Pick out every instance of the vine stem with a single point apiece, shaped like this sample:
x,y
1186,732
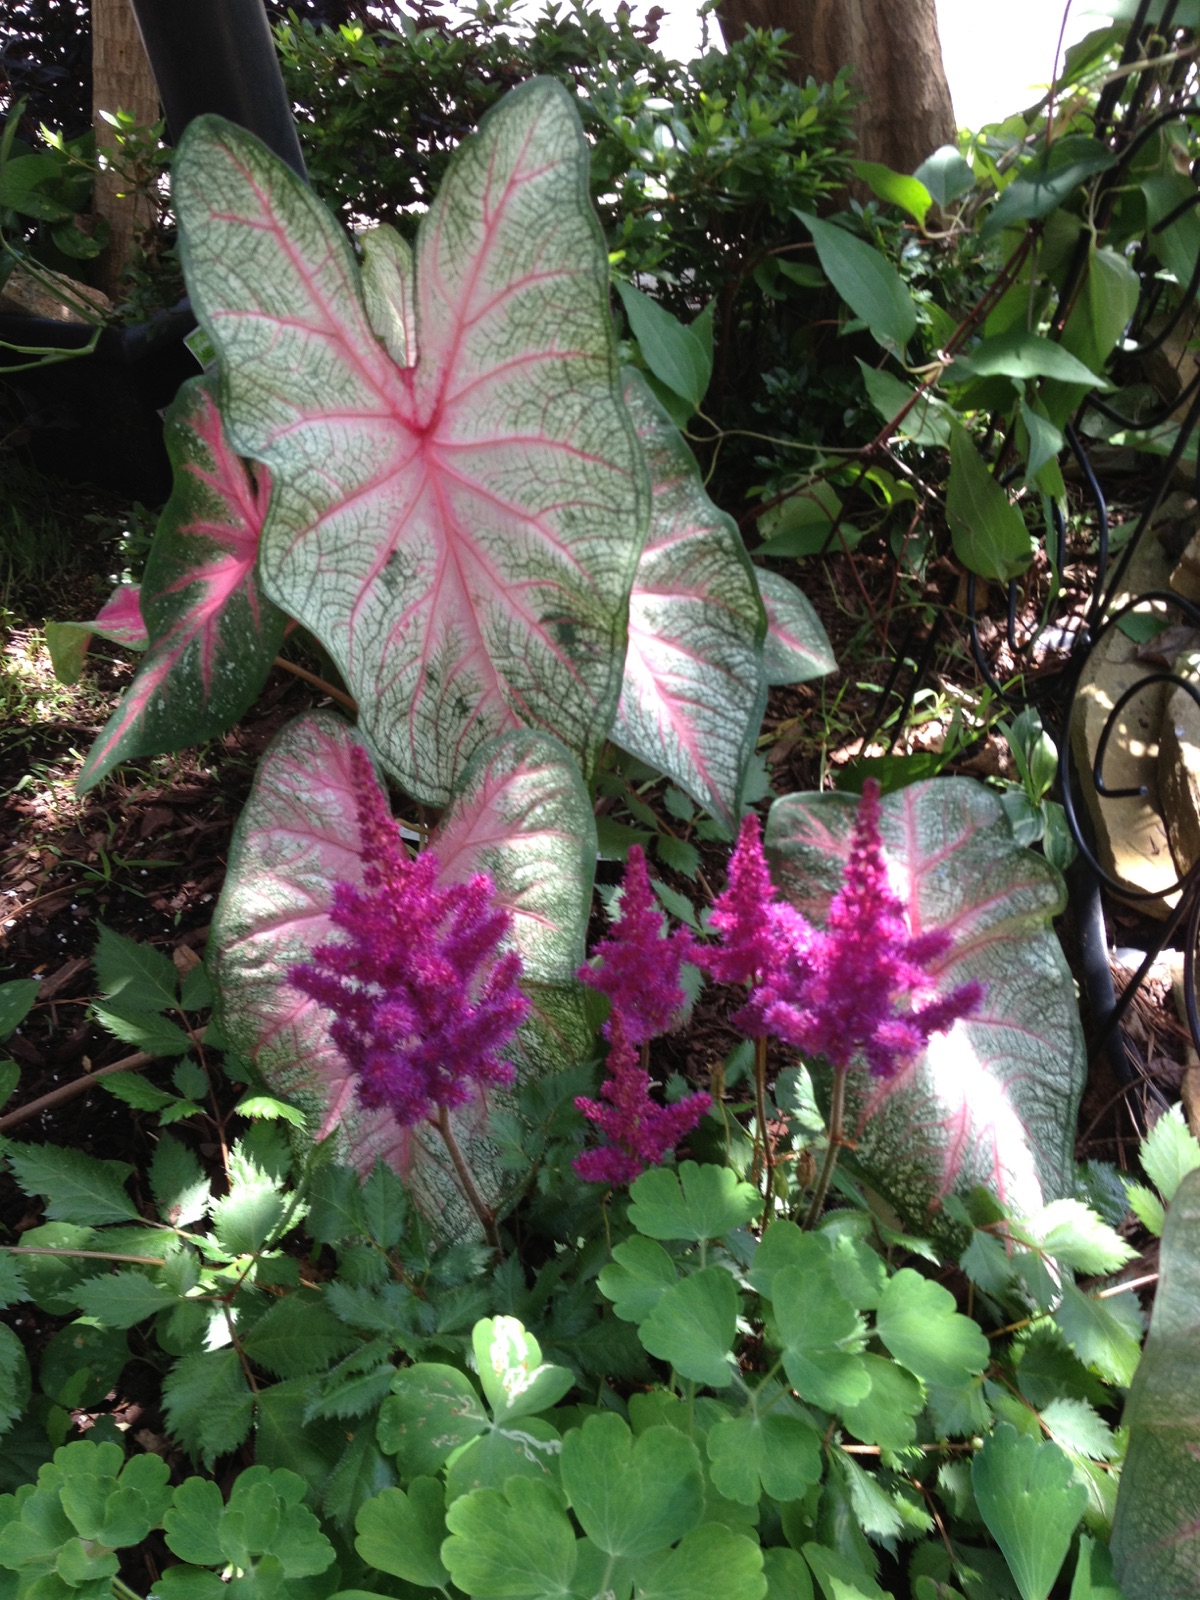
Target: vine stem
x,y
466,1179
760,1117
837,1115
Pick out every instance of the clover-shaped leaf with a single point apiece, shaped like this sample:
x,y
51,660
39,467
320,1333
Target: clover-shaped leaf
x,y
770,1450
402,1534
431,1411
692,1326
632,1496
693,1203
636,1279
515,1544
918,1322
516,1381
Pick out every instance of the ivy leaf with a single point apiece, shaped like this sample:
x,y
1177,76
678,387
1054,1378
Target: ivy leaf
x,y
517,1543
208,1403
78,1188
694,1202
632,1496
122,1299
693,1325
401,1533
432,1410
516,1381
767,1451
1028,1497
918,1322
714,1563
637,1278
1169,1152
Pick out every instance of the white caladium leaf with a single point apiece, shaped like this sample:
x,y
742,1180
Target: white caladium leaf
x,y
213,634
993,1101
523,817
462,534
796,648
694,689
388,286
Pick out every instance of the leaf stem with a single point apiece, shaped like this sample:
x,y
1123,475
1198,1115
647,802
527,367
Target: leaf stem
x,y
317,683
837,1114
466,1179
760,1119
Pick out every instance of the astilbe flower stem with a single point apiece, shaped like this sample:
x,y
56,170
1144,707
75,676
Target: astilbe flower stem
x,y
424,998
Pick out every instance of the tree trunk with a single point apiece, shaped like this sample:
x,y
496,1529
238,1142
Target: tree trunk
x,y
121,80
905,112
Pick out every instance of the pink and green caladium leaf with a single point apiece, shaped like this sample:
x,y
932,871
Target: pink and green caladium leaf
x,y
212,633
796,648
993,1101
461,534
694,688
1156,1533
298,835
118,620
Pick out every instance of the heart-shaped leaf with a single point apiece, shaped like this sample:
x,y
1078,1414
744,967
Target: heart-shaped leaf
x,y
298,836
796,647
1156,1534
993,1101
213,634
694,687
460,534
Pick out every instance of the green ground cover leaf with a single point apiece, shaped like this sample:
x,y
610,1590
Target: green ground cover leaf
x,y
693,1202
514,1545
402,1533
918,1321
178,1183
1105,1334
887,1413
432,1410
632,1496
692,1326
1030,1500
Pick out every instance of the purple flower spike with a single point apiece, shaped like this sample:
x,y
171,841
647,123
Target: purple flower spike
x,y
639,968
864,963
423,998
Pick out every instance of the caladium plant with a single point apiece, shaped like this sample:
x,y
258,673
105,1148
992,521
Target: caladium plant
x,y
993,1102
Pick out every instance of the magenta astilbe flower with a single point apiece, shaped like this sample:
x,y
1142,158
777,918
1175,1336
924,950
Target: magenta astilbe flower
x,y
424,999
639,972
861,967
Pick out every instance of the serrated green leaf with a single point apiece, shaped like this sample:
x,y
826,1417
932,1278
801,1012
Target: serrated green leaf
x,y
134,1090
78,1188
1105,1334
768,1451
208,1403
266,1108
297,1335
639,1275
692,1326
401,1533
144,1030
514,1545
1169,1152
678,854
385,1206
10,1076
874,1510
134,977
693,1202
920,1325
13,1288
1076,1426
245,1218
14,1379
1030,1500
180,1188
1146,1206
516,1381
1072,1233
713,1563
335,1205
631,1496
432,1410
16,1002
122,1299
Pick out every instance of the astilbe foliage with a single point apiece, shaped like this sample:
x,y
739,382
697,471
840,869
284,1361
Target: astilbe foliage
x,y
424,997
857,989
638,970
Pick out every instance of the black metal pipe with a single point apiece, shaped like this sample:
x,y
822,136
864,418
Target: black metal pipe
x,y
219,55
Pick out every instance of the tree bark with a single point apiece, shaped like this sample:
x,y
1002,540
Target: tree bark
x,y
121,81
905,111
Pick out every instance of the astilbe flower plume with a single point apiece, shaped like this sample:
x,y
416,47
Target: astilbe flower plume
x,y
639,972
424,998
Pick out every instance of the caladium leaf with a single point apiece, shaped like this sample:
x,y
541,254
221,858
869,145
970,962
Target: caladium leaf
x,y
388,286
461,534
994,1100
298,836
694,688
797,647
119,620
1156,1533
213,634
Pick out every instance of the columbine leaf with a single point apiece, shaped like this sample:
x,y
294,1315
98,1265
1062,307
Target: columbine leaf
x,y
694,689
78,1188
462,534
692,1326
431,1411
516,1381
714,1563
518,1543
213,634
636,1279
402,1534
918,1322
993,1101
1156,1535
774,1452
632,1496
796,648
694,1202
822,1336
1027,1495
